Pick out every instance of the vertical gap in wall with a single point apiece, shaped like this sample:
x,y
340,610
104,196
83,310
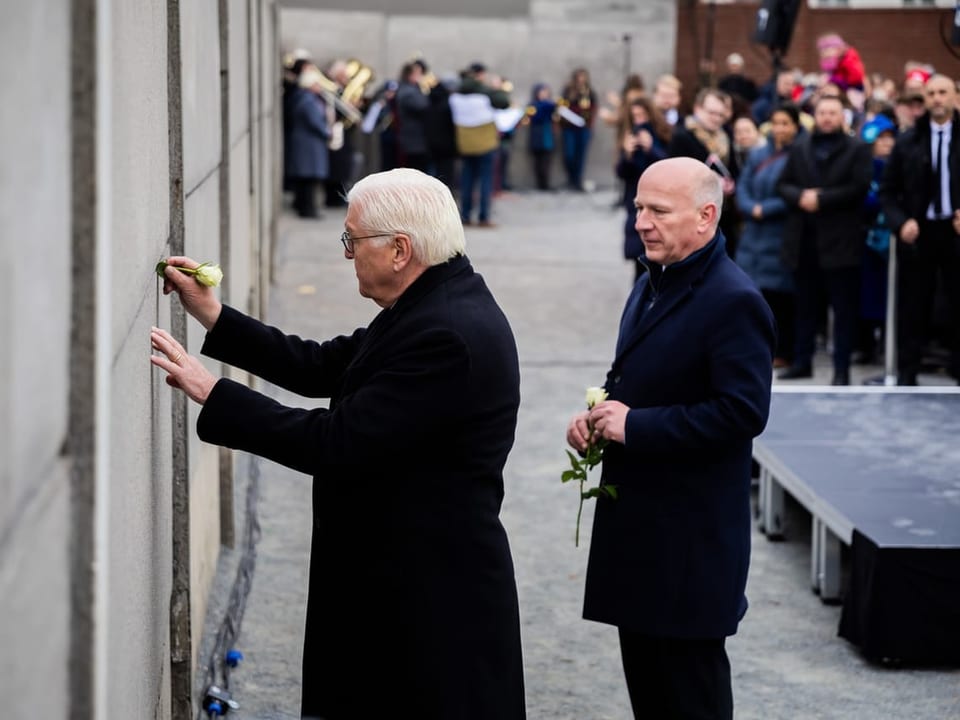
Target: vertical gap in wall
x,y
265,274
81,425
227,521
181,673
276,125
253,300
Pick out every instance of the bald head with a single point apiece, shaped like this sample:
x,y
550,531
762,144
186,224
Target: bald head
x,y
689,177
678,207
939,96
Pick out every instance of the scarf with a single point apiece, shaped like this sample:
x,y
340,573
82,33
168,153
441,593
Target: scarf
x,y
715,142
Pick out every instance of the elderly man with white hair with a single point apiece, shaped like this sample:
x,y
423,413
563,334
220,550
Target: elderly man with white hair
x,y
412,608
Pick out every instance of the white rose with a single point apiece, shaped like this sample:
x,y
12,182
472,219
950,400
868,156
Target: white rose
x,y
595,395
209,275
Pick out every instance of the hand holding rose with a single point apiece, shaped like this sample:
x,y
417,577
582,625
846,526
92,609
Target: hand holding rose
x,y
194,282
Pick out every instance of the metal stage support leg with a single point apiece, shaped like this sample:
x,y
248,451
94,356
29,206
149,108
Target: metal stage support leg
x,y
772,513
825,551
761,495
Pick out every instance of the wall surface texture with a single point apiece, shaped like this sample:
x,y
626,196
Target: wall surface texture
x,y
147,140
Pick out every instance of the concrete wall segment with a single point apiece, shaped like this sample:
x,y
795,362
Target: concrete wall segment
x,y
34,616
241,232
465,8
34,381
237,70
139,523
202,242
140,172
200,90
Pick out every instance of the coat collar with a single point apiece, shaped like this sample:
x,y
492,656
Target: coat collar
x,y
666,287
429,279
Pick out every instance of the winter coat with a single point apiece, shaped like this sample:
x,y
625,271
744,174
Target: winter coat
x,y
669,555
759,253
843,178
305,154
412,609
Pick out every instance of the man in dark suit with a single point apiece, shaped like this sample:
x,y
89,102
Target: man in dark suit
x,y
689,389
412,609
824,183
920,195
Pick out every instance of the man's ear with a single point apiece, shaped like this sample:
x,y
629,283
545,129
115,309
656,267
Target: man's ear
x,y
708,215
402,251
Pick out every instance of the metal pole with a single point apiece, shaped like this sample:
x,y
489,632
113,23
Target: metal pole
x,y
890,341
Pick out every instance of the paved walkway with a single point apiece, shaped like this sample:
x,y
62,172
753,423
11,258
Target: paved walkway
x,y
554,264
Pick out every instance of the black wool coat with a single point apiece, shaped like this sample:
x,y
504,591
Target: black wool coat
x,y
908,183
839,224
669,555
412,609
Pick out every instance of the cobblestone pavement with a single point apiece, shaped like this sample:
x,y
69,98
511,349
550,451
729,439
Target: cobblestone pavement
x,y
554,264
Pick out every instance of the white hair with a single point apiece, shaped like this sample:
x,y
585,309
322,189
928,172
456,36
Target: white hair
x,y
708,189
413,203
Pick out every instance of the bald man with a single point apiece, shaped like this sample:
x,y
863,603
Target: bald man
x,y
689,389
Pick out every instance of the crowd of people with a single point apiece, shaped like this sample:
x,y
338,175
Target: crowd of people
x,y
820,170
807,183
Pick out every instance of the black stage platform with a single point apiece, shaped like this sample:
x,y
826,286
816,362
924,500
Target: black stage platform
x,y
879,470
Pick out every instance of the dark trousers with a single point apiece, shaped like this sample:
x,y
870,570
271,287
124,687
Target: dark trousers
x,y
670,678
541,168
476,169
444,169
575,142
936,255
304,199
782,306
843,291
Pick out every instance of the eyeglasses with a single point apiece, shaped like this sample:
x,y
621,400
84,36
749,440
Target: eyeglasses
x,y
348,242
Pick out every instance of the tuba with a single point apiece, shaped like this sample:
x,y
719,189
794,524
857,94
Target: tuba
x,y
359,76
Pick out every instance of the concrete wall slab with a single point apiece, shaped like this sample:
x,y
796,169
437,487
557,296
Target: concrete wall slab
x,y
200,60
468,8
140,546
140,185
241,229
202,242
238,72
34,335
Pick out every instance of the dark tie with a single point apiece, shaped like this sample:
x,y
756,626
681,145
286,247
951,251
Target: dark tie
x,y
938,174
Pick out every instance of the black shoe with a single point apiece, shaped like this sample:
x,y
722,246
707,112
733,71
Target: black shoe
x,y
907,379
841,377
796,372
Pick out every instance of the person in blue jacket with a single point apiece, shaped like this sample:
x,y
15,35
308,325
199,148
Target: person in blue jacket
x,y
541,135
765,211
689,389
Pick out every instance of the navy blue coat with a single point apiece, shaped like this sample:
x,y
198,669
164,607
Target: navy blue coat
x,y
412,609
669,555
759,252
305,152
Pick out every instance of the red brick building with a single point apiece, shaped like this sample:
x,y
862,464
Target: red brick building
x,y
885,38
